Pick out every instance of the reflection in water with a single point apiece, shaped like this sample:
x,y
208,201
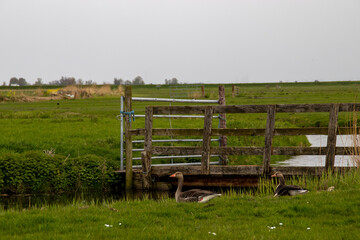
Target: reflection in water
x,y
319,160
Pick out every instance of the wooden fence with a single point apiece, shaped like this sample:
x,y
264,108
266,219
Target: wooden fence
x,y
269,132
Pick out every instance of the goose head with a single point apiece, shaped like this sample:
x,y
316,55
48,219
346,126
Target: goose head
x,y
177,175
280,177
278,174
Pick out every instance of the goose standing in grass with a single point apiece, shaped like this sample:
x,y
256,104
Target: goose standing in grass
x,y
193,195
286,190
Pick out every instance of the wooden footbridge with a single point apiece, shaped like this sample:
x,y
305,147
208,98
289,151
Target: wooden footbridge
x,y
150,177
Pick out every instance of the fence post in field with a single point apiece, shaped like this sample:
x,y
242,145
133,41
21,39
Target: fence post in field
x,y
205,159
331,141
222,124
202,91
269,133
233,90
146,154
128,140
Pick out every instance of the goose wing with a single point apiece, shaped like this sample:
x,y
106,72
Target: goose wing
x,y
284,190
196,193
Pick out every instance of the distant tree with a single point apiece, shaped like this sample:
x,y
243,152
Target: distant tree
x,y
80,82
4,83
90,82
13,81
66,81
38,82
55,83
138,81
118,81
171,81
22,82
127,82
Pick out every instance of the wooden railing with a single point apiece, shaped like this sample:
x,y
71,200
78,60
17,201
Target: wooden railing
x,y
206,150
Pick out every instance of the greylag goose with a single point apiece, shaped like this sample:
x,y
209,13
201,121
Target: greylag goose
x,y
283,190
193,195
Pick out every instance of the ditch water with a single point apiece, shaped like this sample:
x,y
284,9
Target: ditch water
x,y
26,201
319,160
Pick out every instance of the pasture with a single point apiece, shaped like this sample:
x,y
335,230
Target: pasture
x,y
77,127
87,128
83,134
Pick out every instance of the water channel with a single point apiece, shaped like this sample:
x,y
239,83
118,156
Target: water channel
x,y
319,160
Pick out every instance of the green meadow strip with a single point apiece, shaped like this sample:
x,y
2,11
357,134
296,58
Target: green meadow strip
x,y
320,214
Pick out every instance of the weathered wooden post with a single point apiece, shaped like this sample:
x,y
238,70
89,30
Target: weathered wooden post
x,y
146,154
331,141
128,138
269,133
202,91
205,160
233,90
222,124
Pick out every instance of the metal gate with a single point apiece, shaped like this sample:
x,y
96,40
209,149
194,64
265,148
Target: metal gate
x,y
121,118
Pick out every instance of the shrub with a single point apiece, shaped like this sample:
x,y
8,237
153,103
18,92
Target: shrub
x,y
34,172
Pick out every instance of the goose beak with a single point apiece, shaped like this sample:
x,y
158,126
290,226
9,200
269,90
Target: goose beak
x,y
173,175
274,175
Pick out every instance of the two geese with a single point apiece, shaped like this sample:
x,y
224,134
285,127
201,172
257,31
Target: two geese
x,y
202,196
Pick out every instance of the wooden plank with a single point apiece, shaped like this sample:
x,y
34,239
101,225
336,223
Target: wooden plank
x,y
269,133
242,132
160,150
160,171
205,159
128,139
146,154
241,170
294,151
331,141
222,124
290,151
148,129
146,170
280,108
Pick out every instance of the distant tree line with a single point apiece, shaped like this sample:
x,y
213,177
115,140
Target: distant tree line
x,y
136,81
66,81
17,81
171,81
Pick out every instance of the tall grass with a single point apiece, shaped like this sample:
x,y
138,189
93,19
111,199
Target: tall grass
x,y
323,182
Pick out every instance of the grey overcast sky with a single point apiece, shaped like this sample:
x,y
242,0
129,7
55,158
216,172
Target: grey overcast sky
x,y
208,41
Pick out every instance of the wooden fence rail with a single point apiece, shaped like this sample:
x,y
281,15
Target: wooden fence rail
x,y
269,132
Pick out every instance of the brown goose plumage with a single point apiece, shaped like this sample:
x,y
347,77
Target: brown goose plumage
x,y
284,190
193,195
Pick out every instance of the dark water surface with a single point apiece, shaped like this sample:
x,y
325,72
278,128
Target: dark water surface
x,y
26,201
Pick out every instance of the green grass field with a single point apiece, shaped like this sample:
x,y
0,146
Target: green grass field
x,y
235,215
85,133
88,126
